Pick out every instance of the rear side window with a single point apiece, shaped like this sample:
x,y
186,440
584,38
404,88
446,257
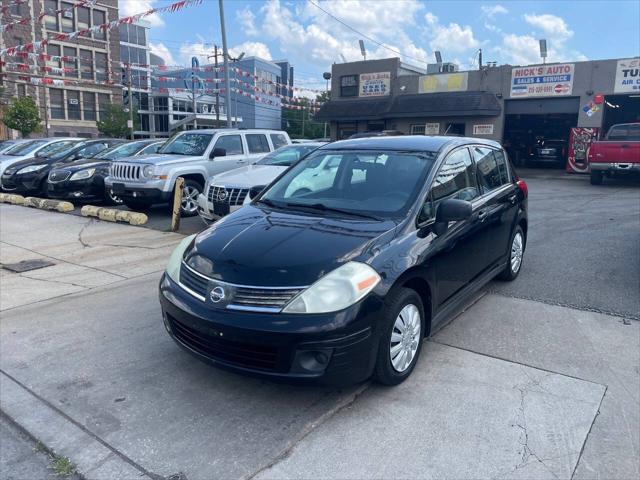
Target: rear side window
x,y
278,140
231,143
492,168
257,143
618,133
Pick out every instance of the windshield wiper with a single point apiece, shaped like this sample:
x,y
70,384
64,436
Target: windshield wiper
x,y
323,207
268,202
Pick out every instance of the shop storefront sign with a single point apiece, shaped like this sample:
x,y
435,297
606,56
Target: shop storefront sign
x,y
542,81
431,128
486,129
628,76
375,84
443,82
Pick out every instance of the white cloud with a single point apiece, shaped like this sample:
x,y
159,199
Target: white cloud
x,y
163,52
492,28
453,38
552,26
430,18
247,20
304,33
132,7
250,49
198,49
524,50
493,10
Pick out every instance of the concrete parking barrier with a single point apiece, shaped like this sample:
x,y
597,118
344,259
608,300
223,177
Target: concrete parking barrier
x,y
46,204
113,215
11,198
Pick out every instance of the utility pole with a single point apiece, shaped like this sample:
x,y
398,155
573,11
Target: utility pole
x,y
303,112
45,109
130,100
193,99
225,52
217,85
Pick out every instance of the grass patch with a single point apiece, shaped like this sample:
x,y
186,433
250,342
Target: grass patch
x,y
62,466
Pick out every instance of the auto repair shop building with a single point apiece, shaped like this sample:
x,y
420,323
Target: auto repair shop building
x,y
513,104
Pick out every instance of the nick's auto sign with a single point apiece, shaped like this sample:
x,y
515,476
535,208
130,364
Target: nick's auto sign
x,y
542,81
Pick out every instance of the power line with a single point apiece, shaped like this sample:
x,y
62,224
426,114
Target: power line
x,y
365,36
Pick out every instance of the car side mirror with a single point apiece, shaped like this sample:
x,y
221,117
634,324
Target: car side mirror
x,y
451,210
217,152
255,191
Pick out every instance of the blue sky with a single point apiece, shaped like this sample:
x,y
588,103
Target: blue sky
x,y
507,32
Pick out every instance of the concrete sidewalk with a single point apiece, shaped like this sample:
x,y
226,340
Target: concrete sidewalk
x,y
97,378
87,253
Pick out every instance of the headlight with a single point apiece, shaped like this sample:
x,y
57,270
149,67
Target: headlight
x,y
339,289
173,267
83,174
148,171
32,168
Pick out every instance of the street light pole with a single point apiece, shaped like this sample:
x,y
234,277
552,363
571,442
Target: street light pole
x,y
225,53
217,84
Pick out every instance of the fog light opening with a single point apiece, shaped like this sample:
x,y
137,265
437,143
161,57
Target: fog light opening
x,y
312,361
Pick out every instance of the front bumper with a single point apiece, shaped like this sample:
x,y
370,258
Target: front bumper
x,y
89,189
615,167
28,183
142,193
337,348
211,212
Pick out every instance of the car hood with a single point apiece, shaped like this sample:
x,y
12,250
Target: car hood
x,y
248,176
159,159
265,247
83,164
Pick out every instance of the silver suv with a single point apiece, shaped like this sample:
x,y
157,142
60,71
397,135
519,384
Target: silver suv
x,y
194,155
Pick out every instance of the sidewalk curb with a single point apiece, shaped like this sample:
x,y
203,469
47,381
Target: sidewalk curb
x,y
93,458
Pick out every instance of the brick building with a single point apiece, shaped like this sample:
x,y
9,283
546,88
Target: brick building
x,y
90,62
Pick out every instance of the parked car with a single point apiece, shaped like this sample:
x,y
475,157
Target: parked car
x,y
552,152
228,191
34,148
30,176
84,179
617,155
194,156
9,144
344,282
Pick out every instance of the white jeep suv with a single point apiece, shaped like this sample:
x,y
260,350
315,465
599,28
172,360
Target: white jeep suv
x,y
194,155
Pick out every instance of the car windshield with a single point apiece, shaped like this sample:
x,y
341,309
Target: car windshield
x,y
287,156
121,151
60,154
54,147
26,148
187,144
377,183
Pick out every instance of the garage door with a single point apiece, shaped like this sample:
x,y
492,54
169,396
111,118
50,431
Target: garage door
x,y
542,105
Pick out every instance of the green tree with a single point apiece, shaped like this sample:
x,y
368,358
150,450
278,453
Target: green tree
x,y
113,121
301,123
23,115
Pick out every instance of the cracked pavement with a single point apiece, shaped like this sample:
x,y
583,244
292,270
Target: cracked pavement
x,y
510,388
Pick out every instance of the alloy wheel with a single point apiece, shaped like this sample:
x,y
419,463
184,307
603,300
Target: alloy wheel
x,y
405,338
189,199
517,249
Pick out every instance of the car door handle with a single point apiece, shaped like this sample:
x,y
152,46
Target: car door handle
x,y
512,199
482,215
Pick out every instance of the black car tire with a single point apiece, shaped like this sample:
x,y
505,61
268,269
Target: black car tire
x,y
508,274
596,178
137,205
395,302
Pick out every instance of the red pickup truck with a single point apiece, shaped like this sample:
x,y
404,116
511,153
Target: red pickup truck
x,y
617,154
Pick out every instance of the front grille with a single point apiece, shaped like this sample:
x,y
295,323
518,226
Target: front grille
x,y
193,282
126,171
59,176
239,297
253,297
230,195
247,355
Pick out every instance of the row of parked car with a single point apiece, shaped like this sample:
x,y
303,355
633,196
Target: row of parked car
x,y
137,173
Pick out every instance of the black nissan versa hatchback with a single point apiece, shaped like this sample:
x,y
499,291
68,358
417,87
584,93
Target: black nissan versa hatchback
x,y
339,276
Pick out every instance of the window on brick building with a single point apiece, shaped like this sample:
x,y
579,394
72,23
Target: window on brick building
x,y
56,101
99,17
50,15
86,64
68,17
89,105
